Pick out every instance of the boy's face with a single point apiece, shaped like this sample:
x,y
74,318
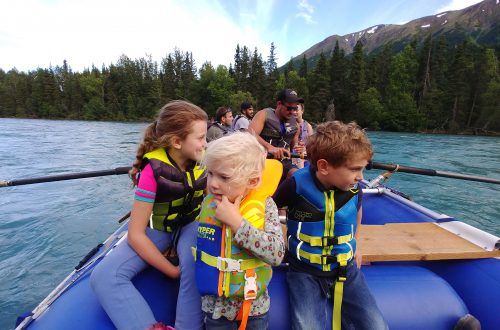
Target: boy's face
x,y
343,177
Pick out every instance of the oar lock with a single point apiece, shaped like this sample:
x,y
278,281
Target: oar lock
x,y
381,178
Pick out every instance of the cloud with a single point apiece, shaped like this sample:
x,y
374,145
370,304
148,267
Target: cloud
x,y
39,33
306,11
457,5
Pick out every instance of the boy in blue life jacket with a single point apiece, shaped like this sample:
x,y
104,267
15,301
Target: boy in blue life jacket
x,y
324,210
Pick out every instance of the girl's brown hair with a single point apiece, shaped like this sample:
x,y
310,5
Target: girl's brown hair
x,y
337,142
174,119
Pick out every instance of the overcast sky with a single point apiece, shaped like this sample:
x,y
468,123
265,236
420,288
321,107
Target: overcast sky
x,y
40,33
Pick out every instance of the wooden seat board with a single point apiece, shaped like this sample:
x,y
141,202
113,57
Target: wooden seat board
x,y
415,241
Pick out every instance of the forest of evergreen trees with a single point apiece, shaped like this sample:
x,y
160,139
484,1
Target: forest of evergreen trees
x,y
429,86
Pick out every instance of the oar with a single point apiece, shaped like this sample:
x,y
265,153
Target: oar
x,y
70,176
417,170
430,172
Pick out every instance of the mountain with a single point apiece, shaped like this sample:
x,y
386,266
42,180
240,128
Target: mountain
x,y
480,22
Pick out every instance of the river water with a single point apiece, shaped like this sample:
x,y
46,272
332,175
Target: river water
x,y
45,229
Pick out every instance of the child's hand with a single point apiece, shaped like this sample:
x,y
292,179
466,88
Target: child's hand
x,y
229,213
359,258
174,272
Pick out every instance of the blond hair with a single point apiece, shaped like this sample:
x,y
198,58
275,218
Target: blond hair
x,y
175,118
337,142
240,154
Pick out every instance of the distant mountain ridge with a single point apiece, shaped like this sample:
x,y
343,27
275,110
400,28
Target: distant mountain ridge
x,y
481,22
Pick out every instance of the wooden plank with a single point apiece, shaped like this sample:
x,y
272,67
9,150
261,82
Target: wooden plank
x,y
415,241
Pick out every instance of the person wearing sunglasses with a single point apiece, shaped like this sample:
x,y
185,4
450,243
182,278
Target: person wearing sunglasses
x,y
276,129
222,124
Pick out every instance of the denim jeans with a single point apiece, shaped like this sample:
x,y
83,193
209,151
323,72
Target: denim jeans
x,y
309,295
124,304
260,322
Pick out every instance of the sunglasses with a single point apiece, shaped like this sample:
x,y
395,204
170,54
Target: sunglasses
x,y
290,108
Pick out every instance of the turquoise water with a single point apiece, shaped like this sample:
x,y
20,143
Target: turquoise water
x,y
45,229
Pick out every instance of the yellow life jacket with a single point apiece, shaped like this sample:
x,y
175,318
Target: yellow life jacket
x,y
222,267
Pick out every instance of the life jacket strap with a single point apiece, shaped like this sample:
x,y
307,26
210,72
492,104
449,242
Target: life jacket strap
x,y
227,264
324,241
250,294
338,292
323,259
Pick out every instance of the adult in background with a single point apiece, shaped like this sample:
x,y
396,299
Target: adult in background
x,y
305,130
222,125
276,129
242,121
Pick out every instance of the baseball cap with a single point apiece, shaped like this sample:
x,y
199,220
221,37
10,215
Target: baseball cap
x,y
290,96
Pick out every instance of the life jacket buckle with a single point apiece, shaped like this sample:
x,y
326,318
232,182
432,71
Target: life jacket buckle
x,y
327,259
330,240
250,289
228,264
342,274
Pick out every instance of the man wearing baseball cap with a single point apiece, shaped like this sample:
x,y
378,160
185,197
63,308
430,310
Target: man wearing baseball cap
x,y
276,129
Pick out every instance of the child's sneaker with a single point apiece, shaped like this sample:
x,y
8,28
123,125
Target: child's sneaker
x,y
159,326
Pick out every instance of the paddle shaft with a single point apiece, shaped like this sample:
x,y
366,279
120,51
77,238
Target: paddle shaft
x,y
371,165
429,172
70,176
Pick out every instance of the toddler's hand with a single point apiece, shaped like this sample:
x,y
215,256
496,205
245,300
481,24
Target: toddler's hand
x,y
229,213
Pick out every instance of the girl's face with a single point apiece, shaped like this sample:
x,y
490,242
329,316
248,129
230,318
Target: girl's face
x,y
193,146
219,183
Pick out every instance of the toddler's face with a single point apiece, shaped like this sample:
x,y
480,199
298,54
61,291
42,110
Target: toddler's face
x,y
219,183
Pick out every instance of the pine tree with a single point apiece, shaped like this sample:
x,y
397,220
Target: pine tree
x,y
303,70
356,81
489,99
257,80
458,87
319,90
338,78
401,107
272,76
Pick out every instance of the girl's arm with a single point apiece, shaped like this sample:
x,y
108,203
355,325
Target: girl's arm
x,y
268,244
141,243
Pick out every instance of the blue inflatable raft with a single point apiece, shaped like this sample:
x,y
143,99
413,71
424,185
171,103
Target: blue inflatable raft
x,y
436,270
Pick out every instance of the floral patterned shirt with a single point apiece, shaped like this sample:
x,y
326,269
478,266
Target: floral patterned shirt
x,y
267,245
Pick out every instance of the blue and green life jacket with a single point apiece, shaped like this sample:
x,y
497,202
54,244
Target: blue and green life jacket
x,y
222,267
317,234
179,194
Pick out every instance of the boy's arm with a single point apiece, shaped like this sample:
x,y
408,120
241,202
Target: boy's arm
x,y
358,256
268,244
285,194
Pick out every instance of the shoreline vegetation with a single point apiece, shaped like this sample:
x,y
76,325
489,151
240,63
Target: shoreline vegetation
x,y
428,87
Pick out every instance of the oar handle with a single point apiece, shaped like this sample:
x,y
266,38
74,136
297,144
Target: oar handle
x,y
70,176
